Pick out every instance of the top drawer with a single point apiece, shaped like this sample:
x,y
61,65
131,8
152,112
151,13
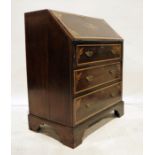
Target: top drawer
x,y
93,53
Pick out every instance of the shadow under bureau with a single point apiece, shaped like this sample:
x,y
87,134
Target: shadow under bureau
x,y
74,72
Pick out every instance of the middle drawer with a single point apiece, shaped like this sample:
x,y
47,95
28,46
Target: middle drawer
x,y
88,78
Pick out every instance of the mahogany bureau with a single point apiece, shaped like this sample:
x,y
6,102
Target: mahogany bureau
x,y
74,72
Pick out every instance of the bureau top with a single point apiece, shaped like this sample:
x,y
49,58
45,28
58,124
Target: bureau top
x,y
85,28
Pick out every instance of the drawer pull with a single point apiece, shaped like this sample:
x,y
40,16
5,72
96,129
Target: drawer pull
x,y
112,72
89,53
113,94
87,105
90,78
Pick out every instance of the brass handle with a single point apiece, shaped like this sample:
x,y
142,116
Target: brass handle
x,y
90,78
113,51
89,53
87,105
112,71
112,94
116,49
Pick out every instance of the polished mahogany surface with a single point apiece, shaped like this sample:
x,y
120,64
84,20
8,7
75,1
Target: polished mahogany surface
x,y
88,105
97,53
74,72
83,27
87,78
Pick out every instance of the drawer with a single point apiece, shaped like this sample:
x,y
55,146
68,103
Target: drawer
x,y
92,53
87,78
94,102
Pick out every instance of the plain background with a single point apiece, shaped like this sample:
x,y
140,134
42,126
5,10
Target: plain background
x,y
125,16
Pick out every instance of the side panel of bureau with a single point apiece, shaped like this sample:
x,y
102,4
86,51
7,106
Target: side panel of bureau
x,y
48,68
37,63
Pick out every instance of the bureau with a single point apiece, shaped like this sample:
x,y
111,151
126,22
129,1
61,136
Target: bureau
x,y
74,72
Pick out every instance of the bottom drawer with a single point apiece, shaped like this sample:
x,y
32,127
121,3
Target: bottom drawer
x,y
90,104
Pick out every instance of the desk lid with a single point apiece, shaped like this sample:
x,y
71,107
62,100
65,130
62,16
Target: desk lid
x,y
85,28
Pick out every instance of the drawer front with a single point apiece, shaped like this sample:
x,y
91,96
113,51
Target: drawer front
x,y
94,102
86,54
85,79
